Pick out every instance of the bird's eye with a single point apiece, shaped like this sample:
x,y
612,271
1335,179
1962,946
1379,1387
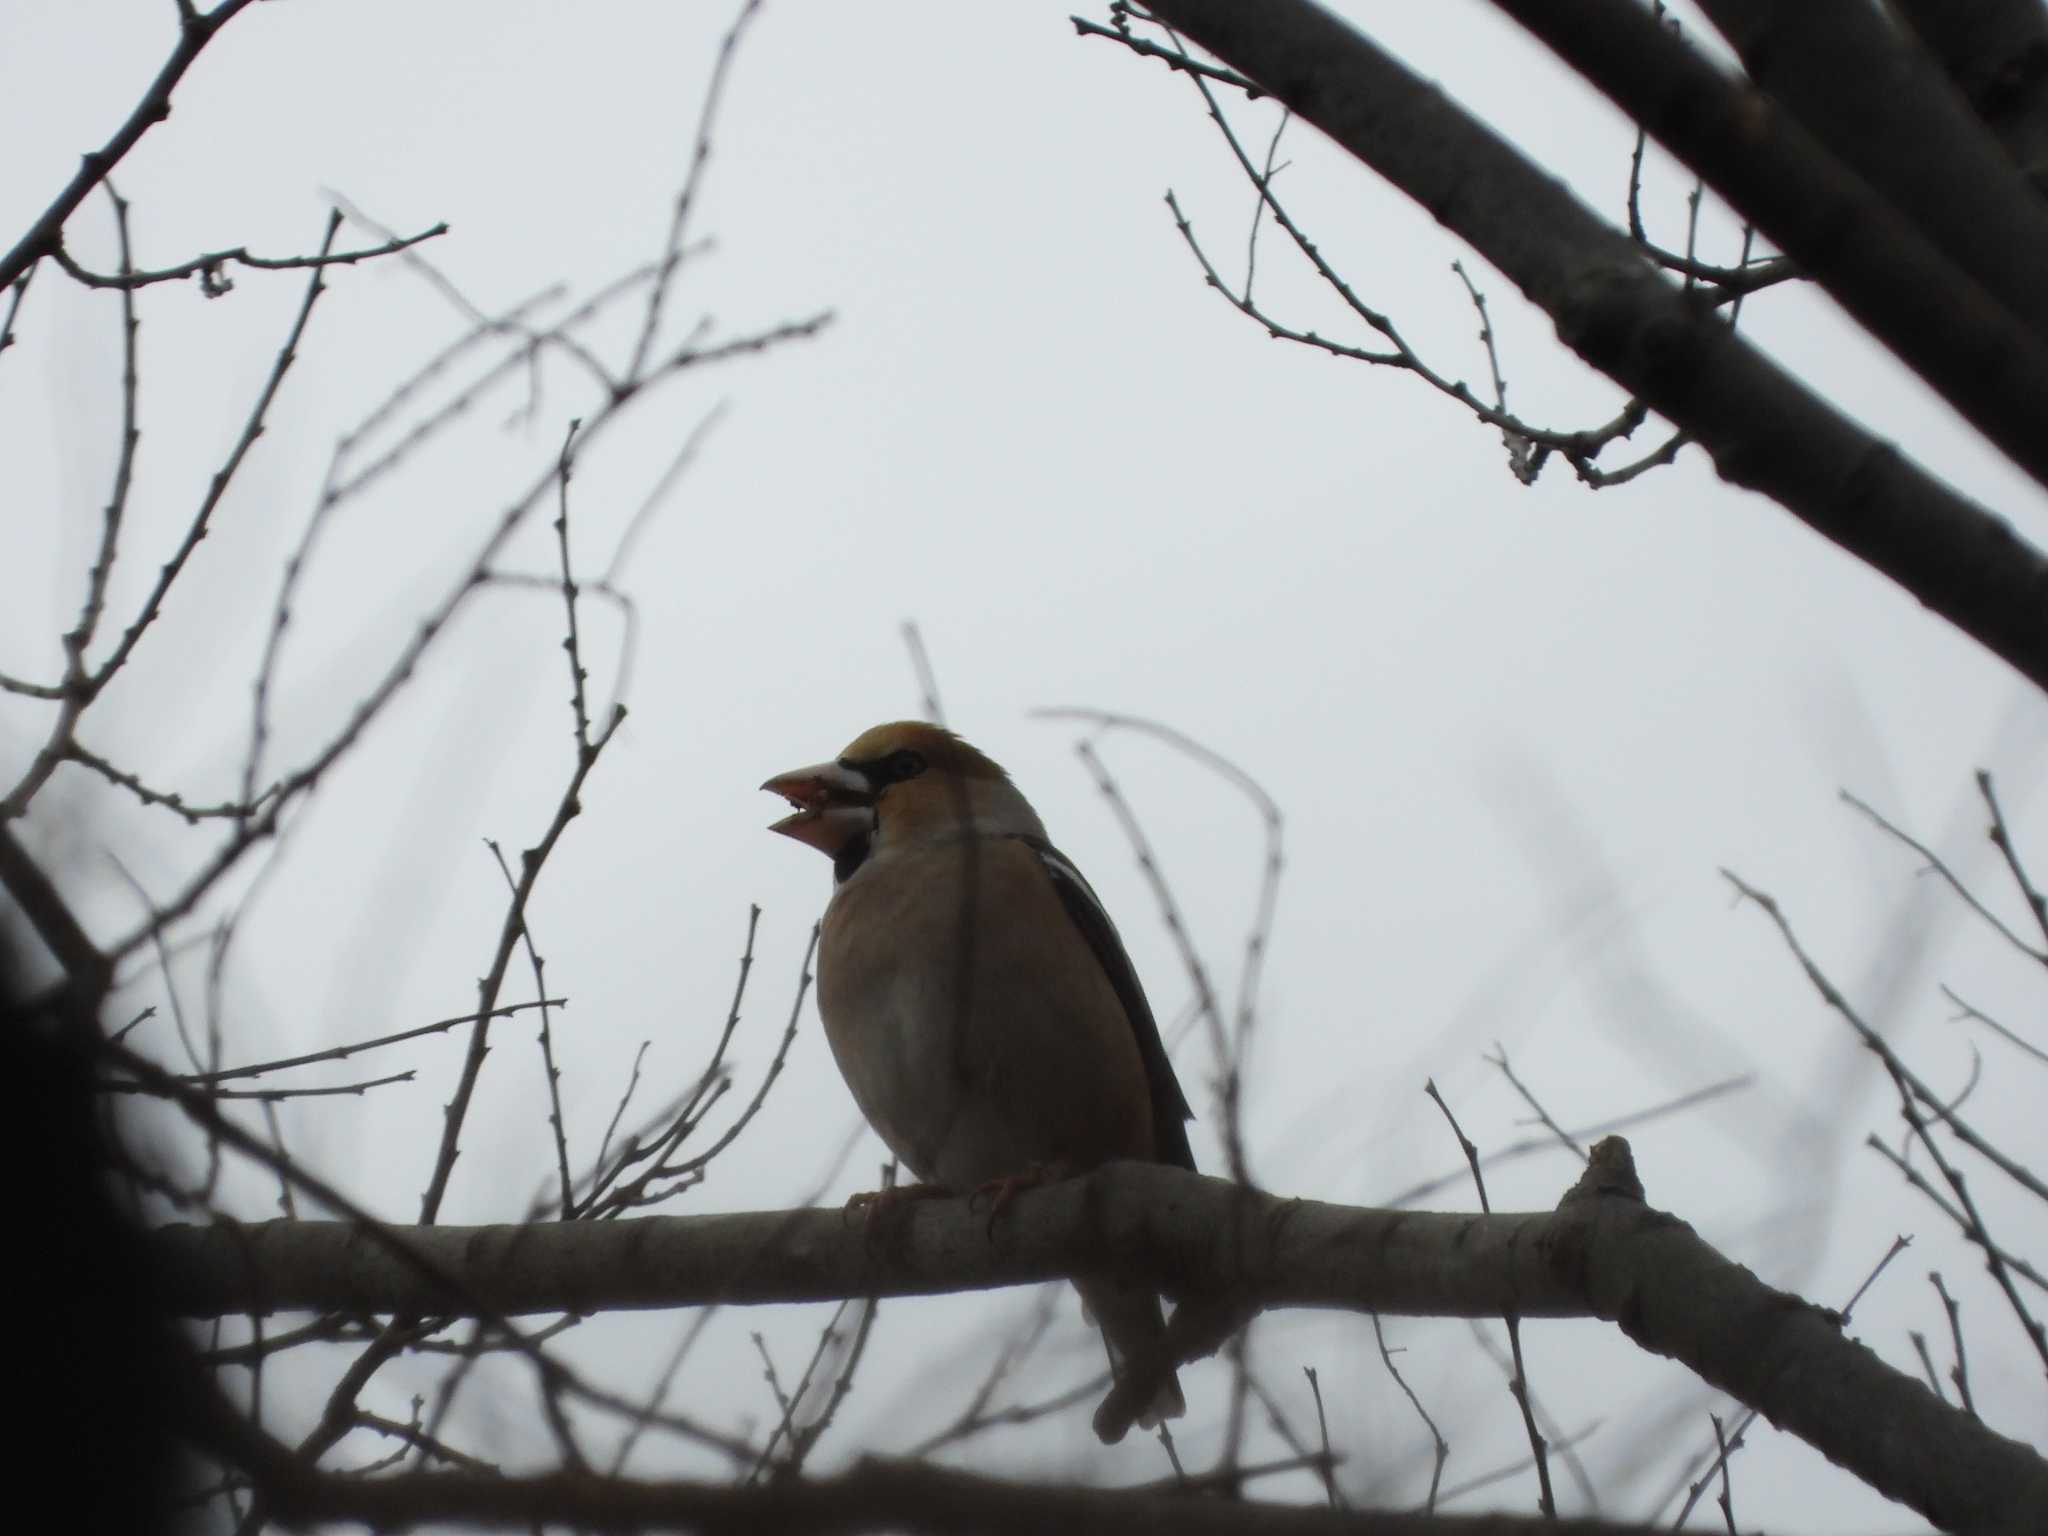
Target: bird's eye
x,y
905,765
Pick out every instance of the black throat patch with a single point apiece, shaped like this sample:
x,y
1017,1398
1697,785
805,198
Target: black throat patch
x,y
851,857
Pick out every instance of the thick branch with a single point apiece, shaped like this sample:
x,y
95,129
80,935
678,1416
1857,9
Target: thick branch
x,y
1868,92
30,887
1602,1254
873,1496
1765,430
1996,52
1944,302
1183,1233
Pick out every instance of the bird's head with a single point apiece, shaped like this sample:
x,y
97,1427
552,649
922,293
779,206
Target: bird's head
x,y
896,782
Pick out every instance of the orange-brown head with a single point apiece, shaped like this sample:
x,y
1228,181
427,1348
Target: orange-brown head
x,y
896,782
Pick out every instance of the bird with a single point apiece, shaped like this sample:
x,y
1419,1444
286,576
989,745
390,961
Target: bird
x,y
975,994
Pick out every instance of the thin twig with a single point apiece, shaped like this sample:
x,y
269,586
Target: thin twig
x,y
1899,1245
664,1382
1524,459
287,1202
269,1095
175,803
197,29
80,639
1499,1058
1280,1423
1914,1177
665,482
2001,839
1927,1364
1518,1384
975,1416
1936,865
679,219
16,292
196,529
785,1404
1443,1446
1579,448
1177,60
554,339
413,1437
806,1437
713,1070
571,642
429,628
197,1107
1589,1133
343,1052
522,359
330,1329
1960,1375
604,1201
1267,172
1232,1050
1727,1447
625,1098
1969,1011
214,282
921,668
1514,1468
531,863
1912,1094
546,1036
1328,1463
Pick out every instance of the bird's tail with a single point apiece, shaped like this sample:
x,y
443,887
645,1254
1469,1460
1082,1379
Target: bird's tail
x,y
1133,1328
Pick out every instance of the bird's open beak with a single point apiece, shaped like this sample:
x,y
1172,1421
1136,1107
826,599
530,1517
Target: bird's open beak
x,y
833,805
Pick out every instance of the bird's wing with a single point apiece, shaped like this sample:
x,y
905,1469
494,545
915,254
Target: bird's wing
x,y
1170,1110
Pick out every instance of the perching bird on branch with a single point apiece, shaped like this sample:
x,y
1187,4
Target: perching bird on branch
x,y
976,995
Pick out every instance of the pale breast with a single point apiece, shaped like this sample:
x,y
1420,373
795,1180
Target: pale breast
x,y
977,1032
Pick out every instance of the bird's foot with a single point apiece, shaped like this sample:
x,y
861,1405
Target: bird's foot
x,y
1000,1192
872,1204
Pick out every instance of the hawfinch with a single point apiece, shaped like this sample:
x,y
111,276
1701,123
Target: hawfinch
x,y
976,995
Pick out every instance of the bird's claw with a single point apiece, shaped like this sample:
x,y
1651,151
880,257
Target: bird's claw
x,y
872,1204
1000,1192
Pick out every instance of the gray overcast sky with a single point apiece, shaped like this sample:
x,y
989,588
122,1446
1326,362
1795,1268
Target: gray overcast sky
x,y
1514,731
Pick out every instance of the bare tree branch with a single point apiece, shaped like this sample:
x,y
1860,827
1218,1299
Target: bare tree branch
x,y
1602,1253
1996,53
1881,106
196,29
874,1495
1765,430
215,282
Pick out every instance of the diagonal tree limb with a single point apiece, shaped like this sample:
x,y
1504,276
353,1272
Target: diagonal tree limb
x,y
1973,324
1765,430
88,972
1883,108
1996,52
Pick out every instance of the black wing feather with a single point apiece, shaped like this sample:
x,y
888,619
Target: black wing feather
x,y
1170,1110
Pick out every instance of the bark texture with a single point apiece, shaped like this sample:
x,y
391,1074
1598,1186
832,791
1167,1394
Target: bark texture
x,y
1764,429
1215,1247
